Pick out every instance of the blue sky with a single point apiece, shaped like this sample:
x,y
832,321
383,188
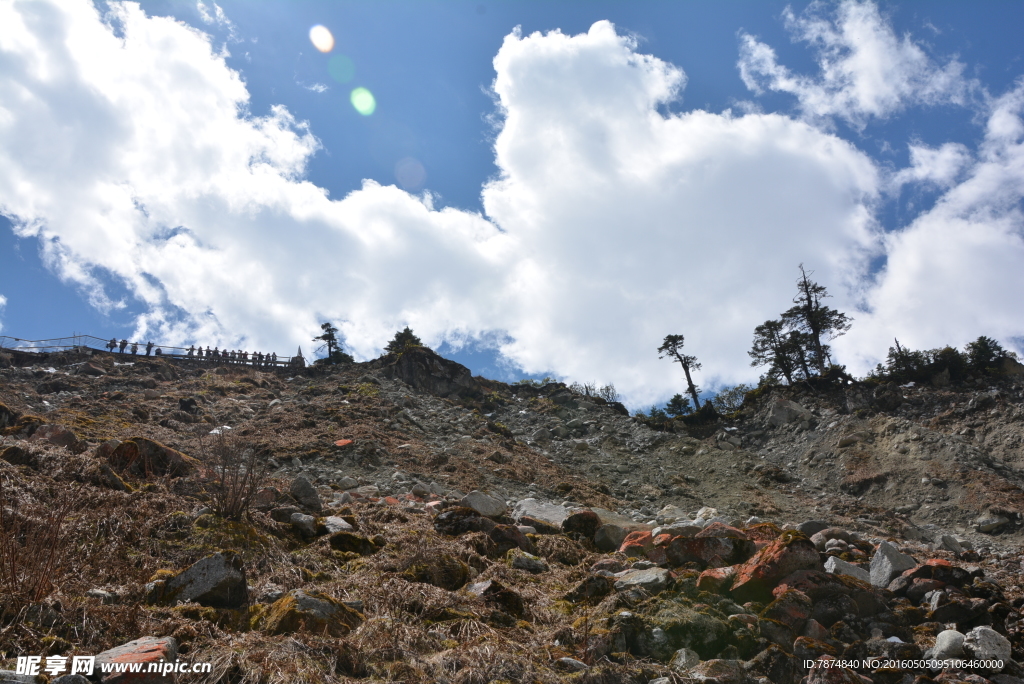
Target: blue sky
x,y
541,187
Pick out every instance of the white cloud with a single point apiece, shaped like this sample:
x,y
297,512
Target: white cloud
x,y
866,70
608,227
934,166
632,226
316,87
3,303
957,271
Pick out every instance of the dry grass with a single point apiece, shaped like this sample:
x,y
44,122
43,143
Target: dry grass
x,y
237,468
32,545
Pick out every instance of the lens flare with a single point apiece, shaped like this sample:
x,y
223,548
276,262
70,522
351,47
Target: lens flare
x,y
363,100
410,174
321,38
341,68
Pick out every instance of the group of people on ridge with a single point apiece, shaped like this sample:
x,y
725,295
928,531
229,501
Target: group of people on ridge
x,y
114,344
258,359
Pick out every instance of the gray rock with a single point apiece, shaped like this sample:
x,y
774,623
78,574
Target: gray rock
x,y
305,524
684,660
11,677
948,644
811,527
609,537
887,563
990,523
335,524
536,511
570,665
653,580
348,483
68,679
950,543
530,563
838,566
541,435
217,581
985,643
848,440
783,411
419,489
303,491
484,504
106,597
660,680
283,514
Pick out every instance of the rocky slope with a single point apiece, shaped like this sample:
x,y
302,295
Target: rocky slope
x,y
419,524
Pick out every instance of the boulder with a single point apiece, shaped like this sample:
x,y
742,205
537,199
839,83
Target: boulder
x,y
217,581
716,580
508,537
783,411
146,650
636,543
592,587
949,644
840,567
985,643
459,520
887,563
653,580
484,504
15,455
546,517
684,660
303,491
348,542
426,370
688,627
719,671
441,570
528,562
584,523
989,524
496,594
609,537
333,523
143,457
756,578
313,612
58,435
304,524
90,368
792,608
714,551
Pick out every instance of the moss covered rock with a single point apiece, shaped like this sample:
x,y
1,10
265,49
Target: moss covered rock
x,y
313,612
143,457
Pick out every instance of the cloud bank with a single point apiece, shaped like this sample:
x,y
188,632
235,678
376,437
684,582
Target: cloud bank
x,y
128,149
866,70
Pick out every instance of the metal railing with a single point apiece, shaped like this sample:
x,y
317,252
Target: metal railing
x,y
98,344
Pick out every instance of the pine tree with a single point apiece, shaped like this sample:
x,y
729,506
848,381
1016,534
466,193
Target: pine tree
x,y
402,340
678,406
672,346
815,321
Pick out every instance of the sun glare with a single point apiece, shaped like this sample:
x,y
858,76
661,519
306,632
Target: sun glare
x,y
363,100
321,38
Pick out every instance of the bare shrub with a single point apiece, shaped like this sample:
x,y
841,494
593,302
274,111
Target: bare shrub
x,y
32,545
237,468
